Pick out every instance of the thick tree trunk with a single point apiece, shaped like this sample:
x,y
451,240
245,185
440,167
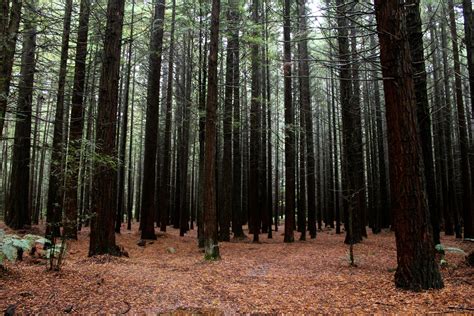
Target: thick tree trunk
x,y
417,268
415,39
7,52
18,211
102,238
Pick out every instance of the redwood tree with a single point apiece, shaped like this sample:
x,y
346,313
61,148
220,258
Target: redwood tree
x,y
102,238
211,247
289,128
147,222
417,268
18,210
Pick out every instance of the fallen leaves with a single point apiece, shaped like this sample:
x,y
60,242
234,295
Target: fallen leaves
x,y
270,277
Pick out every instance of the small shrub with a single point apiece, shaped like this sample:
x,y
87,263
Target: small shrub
x,y
12,246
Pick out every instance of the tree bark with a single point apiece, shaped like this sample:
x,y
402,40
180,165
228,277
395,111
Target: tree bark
x,y
415,39
254,187
75,127
417,268
165,189
151,129
18,211
7,52
102,238
211,248
467,203
289,128
55,192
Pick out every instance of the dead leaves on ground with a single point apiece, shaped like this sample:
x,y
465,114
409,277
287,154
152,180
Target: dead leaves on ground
x,y
169,276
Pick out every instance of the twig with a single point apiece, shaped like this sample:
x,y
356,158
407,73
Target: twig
x,y
128,308
462,308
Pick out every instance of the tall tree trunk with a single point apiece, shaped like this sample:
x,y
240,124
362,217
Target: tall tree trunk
x,y
469,39
166,167
55,192
417,268
121,205
102,238
18,212
382,219
254,188
211,247
357,170
467,203
269,197
7,52
131,182
184,162
234,16
415,39
352,159
451,212
225,212
151,130
289,128
76,126
306,111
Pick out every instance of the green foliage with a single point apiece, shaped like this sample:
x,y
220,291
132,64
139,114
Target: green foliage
x,y
12,245
441,249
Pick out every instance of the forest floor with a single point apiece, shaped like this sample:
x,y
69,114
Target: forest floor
x,y
310,276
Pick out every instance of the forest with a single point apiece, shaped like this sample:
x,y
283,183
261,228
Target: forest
x,y
208,157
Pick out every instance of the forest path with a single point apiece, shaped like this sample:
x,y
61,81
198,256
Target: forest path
x,y
268,277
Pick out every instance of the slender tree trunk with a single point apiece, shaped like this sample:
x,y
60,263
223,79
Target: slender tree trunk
x,y
151,130
255,132
211,247
289,128
352,159
236,128
467,203
55,192
306,111
225,212
131,182
469,40
270,205
121,206
166,167
76,125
